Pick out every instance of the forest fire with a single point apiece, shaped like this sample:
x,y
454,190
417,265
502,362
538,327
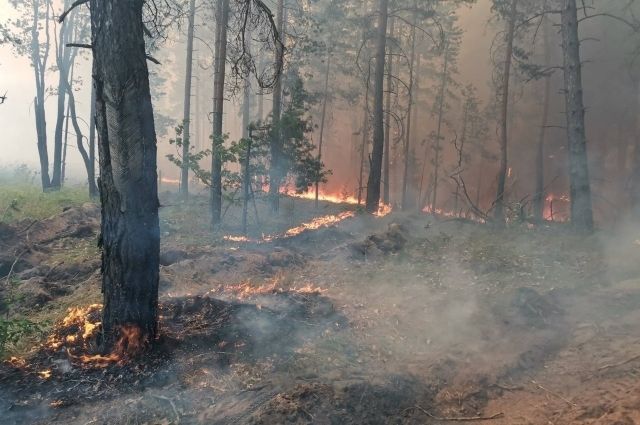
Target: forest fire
x,y
555,208
247,290
76,334
318,222
342,198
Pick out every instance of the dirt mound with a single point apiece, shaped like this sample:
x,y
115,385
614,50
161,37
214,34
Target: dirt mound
x,y
379,245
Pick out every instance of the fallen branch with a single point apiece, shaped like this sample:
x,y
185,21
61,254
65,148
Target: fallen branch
x,y
622,363
569,402
457,419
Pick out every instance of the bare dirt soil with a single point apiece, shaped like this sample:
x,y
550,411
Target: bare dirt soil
x,y
405,319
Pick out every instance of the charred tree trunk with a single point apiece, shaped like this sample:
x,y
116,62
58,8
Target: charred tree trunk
x,y
407,141
504,115
364,148
93,189
580,188
375,173
275,145
323,119
222,18
186,133
539,198
246,166
386,176
130,237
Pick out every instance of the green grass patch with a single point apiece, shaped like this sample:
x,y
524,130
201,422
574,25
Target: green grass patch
x,y
19,202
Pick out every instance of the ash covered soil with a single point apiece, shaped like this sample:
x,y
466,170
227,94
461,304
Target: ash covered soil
x,y
404,319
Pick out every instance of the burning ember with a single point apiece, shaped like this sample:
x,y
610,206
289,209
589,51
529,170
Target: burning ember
x,y
76,334
165,180
318,222
322,196
246,290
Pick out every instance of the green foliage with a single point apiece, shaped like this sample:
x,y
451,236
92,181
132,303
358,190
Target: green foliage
x,y
14,330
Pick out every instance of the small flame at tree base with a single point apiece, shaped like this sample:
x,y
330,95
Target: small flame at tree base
x,y
77,334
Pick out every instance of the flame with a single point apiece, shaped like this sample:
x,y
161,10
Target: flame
x,y
451,214
335,198
551,211
80,326
318,222
169,181
247,290
45,374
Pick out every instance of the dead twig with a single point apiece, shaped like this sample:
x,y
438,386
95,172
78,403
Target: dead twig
x,y
457,419
569,402
622,363
173,406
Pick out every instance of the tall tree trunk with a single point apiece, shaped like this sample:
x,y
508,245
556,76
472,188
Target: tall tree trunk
x,y
246,166
539,198
580,188
375,173
93,189
323,119
86,158
365,141
275,145
386,176
504,114
407,141
130,235
39,65
442,95
222,18
186,121
63,62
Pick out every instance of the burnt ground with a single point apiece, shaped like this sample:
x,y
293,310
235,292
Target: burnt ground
x,y
405,319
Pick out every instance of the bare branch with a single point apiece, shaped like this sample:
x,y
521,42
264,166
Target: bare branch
x,y
73,6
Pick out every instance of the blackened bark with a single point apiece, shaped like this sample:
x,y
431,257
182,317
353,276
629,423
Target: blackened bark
x,y
246,165
275,145
93,188
220,62
504,115
375,173
580,188
186,135
128,174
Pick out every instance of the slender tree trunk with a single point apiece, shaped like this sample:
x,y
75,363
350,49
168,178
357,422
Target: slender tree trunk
x,y
441,101
539,198
275,170
39,64
93,189
186,121
323,119
86,158
130,237
63,62
386,176
364,145
222,18
63,175
504,115
375,173
580,188
407,141
246,166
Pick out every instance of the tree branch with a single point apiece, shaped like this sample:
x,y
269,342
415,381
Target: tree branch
x,y
73,6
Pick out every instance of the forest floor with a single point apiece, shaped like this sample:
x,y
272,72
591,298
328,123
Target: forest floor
x,y
402,319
